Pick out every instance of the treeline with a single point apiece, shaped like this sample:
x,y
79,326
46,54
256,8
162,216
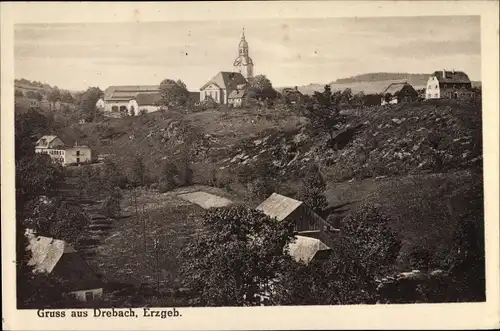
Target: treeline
x,y
382,76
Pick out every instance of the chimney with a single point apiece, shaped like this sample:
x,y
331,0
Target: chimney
x,y
444,73
296,88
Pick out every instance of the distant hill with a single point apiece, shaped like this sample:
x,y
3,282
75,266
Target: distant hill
x,y
371,83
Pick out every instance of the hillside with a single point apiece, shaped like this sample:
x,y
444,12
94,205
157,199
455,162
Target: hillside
x,y
420,163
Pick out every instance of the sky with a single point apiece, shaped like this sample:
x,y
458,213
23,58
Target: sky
x,y
288,51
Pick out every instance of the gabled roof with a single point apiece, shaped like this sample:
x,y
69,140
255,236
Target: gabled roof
x,y
226,80
452,77
46,252
279,206
148,99
304,249
57,258
127,92
48,139
395,88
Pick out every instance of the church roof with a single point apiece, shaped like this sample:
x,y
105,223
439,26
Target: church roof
x,y
226,80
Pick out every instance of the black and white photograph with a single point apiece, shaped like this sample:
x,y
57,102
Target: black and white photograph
x,y
247,162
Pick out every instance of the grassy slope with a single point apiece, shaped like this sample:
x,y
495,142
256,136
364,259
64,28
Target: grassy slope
x,y
421,203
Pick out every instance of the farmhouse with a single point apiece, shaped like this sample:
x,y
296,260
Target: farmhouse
x,y
116,98
64,152
221,85
398,93
448,85
284,208
144,103
61,261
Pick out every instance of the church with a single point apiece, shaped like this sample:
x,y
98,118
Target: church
x,y
229,87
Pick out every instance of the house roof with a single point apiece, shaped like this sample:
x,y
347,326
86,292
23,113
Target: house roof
x,y
278,206
395,88
127,92
47,138
304,249
452,77
59,259
226,80
148,99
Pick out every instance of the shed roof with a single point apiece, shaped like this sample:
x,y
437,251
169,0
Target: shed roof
x,y
127,92
304,249
148,99
395,87
226,80
279,206
451,76
47,139
59,259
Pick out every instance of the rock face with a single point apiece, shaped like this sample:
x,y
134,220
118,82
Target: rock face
x,y
421,138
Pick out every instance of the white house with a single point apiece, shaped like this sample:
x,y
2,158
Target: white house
x,y
64,153
116,98
448,85
58,259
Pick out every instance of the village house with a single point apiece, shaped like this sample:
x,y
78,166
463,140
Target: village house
x,y
449,85
221,85
116,99
399,92
292,95
63,152
61,261
144,103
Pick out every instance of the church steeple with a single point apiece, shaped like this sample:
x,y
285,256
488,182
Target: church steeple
x,y
243,62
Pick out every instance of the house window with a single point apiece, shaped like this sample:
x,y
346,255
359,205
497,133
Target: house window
x,y
428,95
77,153
89,296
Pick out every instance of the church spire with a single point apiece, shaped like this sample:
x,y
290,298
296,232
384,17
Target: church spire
x,y
243,34
243,62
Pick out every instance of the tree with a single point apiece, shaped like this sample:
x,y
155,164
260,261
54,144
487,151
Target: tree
x,y
168,174
240,253
111,205
173,93
18,93
138,170
54,96
324,113
313,187
88,101
368,239
260,88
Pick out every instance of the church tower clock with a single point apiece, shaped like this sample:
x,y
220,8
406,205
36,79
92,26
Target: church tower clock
x,y
243,63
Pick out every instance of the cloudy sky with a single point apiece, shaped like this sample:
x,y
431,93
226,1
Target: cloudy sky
x,y
289,51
